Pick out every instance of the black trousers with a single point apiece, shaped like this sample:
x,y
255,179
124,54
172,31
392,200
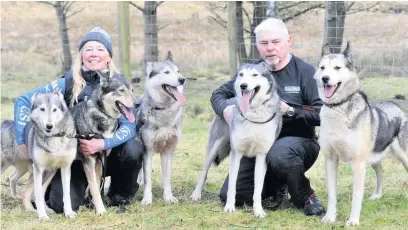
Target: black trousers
x,y
123,165
288,160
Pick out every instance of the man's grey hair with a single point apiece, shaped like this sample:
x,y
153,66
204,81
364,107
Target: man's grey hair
x,y
271,26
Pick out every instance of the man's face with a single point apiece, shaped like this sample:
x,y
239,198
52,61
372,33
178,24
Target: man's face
x,y
274,49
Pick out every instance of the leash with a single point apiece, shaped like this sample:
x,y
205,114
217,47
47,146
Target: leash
x,y
304,107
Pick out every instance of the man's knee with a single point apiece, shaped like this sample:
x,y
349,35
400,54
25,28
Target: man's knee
x,y
282,156
133,152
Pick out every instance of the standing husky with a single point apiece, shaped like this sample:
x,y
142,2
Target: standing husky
x,y
159,120
48,150
252,129
99,116
354,131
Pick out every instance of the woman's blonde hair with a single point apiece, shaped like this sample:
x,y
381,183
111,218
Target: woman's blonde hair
x,y
79,82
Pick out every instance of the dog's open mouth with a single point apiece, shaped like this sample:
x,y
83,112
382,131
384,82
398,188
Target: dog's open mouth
x,y
174,93
125,111
246,99
330,90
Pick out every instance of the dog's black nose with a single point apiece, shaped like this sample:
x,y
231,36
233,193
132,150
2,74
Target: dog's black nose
x,y
181,80
49,126
244,86
325,79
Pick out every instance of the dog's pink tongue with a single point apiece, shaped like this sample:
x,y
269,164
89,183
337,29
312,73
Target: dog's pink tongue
x,y
179,96
328,91
128,113
244,104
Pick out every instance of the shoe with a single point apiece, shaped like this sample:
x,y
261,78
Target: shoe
x,y
273,203
313,206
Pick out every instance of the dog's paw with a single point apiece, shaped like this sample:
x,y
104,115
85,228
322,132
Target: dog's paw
x,y
146,201
49,210
353,222
259,212
44,218
70,214
195,196
329,218
170,199
229,208
100,211
375,196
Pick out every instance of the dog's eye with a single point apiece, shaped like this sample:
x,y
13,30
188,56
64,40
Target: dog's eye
x,y
167,72
178,71
54,110
122,90
254,75
337,68
322,67
42,109
241,74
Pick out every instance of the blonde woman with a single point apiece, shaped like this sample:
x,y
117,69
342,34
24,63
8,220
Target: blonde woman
x,y
77,85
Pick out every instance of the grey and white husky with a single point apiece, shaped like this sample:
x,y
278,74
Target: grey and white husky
x,y
251,130
47,149
158,122
354,131
99,116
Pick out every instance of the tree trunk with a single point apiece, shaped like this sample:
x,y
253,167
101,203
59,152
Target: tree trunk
x,y
124,37
150,30
259,15
232,37
335,16
241,50
67,59
272,11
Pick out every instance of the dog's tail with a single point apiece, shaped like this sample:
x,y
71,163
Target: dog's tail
x,y
218,146
7,143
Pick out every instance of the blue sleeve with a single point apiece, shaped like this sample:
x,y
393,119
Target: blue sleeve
x,y
22,106
125,132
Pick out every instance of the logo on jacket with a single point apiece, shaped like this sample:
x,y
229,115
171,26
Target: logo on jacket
x,y
292,89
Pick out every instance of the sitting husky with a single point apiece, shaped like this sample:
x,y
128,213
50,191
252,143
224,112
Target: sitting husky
x,y
48,150
158,122
99,116
252,129
354,131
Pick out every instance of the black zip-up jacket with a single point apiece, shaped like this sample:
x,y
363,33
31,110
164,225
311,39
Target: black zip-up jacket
x,y
295,85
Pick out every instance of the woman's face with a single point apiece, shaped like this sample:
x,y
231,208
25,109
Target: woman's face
x,y
95,56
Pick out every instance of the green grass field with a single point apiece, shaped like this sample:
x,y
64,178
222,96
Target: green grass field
x,y
388,213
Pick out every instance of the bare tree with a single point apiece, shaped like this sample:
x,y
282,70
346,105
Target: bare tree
x,y
124,37
64,11
151,29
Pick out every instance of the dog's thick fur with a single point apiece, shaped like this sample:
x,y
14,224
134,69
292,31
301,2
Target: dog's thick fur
x,y
99,116
251,130
159,119
49,117
354,131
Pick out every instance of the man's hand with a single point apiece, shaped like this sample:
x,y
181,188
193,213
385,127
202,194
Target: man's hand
x,y
227,112
91,146
23,151
284,107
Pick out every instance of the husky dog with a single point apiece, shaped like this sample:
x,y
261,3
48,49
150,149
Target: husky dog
x,y
252,129
354,131
99,116
158,122
48,150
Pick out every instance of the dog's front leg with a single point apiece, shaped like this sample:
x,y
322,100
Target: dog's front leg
x,y
235,159
90,172
380,180
260,170
147,176
166,164
331,164
38,172
359,171
66,188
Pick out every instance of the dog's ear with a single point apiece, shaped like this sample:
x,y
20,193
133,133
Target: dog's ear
x,y
326,49
347,53
169,56
104,78
63,106
149,70
33,98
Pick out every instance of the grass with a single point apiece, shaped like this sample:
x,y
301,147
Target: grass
x,y
387,213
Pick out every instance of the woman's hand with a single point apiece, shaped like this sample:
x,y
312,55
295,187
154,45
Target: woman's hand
x,y
23,151
91,146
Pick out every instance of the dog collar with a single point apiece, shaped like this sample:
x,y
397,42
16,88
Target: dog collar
x,y
257,122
